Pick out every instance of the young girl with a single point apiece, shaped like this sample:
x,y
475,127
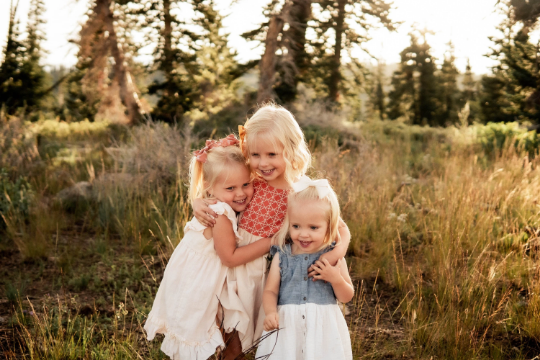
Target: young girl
x,y
186,303
311,325
277,154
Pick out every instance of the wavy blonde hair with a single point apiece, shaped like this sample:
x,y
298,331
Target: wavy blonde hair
x,y
203,176
331,209
278,124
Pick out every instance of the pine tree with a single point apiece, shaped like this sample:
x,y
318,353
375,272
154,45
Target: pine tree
x,y
377,95
218,70
449,92
12,77
512,92
34,52
175,61
97,85
415,93
335,24
470,94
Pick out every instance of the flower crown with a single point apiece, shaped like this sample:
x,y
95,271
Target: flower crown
x,y
202,154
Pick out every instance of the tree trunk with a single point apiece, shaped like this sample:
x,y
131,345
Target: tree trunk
x,y
128,93
299,14
167,36
335,76
267,65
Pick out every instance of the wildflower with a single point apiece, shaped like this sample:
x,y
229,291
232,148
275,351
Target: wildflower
x,y
402,218
391,216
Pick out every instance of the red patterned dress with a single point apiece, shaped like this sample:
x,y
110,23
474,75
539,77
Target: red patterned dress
x,y
241,297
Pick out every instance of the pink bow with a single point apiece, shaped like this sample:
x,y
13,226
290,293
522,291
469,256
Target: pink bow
x,y
202,154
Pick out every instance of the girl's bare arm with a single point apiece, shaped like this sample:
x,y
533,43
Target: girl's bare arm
x,y
225,245
270,296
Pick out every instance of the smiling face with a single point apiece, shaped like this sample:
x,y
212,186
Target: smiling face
x,y
234,187
266,159
308,225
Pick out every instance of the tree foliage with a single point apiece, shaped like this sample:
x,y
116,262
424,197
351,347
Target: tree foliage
x,y
21,74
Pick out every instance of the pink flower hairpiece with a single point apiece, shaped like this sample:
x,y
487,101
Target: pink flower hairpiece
x,y
202,154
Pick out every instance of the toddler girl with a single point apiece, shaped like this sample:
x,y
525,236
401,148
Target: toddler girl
x,y
310,322
186,303
277,154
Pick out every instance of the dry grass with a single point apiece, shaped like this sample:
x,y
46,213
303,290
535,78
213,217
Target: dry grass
x,y
445,235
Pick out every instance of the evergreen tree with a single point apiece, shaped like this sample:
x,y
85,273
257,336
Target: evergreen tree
x,y
377,95
103,80
415,92
34,52
449,92
218,70
512,92
335,24
21,75
470,94
175,59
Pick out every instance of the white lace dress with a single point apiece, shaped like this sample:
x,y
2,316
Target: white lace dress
x,y
186,303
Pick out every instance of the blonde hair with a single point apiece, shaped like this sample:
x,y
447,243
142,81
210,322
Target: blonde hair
x,y
203,175
332,214
280,125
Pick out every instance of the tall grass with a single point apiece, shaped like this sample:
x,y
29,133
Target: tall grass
x,y
445,235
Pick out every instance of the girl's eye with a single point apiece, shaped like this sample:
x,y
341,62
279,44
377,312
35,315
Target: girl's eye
x,y
247,184
230,188
254,154
272,154
295,226
314,228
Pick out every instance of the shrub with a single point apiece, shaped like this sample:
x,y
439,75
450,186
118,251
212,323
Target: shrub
x,y
15,197
496,136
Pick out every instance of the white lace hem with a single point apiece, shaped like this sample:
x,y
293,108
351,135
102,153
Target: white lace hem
x,y
179,348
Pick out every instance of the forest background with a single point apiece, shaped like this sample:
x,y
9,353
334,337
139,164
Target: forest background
x,y
437,171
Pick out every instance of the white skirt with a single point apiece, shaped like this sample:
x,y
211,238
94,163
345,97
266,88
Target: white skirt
x,y
187,300
308,332
241,297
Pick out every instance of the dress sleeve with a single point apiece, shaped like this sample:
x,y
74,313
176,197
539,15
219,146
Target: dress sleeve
x,y
219,208
222,208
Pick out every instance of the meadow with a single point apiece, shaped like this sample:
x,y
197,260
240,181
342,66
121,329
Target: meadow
x,y
445,230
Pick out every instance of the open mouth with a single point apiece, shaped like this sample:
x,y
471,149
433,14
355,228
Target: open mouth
x,y
267,172
240,202
304,244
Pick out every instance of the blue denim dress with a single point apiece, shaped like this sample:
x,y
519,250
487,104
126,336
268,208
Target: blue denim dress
x,y
311,324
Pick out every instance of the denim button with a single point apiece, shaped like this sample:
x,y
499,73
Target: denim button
x,y
303,317
305,258
305,278
304,298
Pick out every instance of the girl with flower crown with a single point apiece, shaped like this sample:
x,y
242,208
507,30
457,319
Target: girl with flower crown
x,y
276,151
187,301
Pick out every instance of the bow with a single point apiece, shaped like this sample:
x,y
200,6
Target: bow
x,y
202,154
322,186
242,135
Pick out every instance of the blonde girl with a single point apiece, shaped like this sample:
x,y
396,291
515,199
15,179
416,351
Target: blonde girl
x,y
186,303
277,154
310,322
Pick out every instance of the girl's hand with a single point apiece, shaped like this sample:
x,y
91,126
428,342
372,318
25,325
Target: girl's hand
x,y
203,213
323,270
271,321
326,256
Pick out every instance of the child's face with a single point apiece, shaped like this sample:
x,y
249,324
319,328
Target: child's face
x,y
308,224
234,187
266,159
